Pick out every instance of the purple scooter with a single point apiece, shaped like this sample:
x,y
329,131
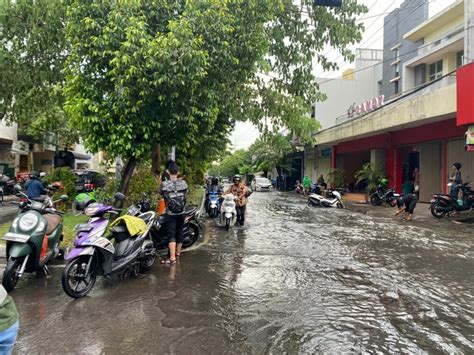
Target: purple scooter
x,y
94,255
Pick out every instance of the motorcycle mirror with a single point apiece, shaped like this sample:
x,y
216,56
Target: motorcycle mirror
x,y
17,187
119,196
64,198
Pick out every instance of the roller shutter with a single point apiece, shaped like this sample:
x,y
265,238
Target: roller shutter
x,y
431,170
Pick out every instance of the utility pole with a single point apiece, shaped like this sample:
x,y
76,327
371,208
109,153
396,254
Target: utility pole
x,y
469,33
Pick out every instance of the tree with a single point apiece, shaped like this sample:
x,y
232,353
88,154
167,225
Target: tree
x,y
141,73
269,152
33,50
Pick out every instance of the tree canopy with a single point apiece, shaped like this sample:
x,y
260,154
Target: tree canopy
x,y
131,74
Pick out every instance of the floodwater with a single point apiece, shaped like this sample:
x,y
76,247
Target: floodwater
x,y
294,279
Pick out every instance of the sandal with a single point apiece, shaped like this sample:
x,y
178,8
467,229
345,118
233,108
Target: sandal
x,y
167,262
178,255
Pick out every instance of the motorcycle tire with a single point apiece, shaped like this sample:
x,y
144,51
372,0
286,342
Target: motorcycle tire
x,y
79,262
227,224
375,200
435,212
10,275
340,205
312,204
192,236
147,263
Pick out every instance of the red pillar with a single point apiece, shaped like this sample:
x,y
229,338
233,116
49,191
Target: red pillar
x,y
390,165
398,169
333,157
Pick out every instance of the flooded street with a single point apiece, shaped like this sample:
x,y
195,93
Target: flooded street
x,y
294,279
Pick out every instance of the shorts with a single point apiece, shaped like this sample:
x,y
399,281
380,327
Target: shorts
x,y
174,228
410,205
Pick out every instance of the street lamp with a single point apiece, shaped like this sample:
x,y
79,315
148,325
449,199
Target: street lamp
x,y
328,3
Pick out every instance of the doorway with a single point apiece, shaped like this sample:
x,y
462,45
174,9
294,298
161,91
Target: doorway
x,y
24,166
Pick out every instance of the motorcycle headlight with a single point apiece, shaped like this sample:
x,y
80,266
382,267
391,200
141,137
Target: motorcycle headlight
x,y
28,221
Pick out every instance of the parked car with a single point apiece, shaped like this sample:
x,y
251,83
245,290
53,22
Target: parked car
x,y
88,180
261,184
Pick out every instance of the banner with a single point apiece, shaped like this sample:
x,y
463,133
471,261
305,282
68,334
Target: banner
x,y
470,139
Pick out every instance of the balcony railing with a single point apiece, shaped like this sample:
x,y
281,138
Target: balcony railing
x,y
454,36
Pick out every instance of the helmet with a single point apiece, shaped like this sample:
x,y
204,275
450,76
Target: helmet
x,y
236,178
82,201
214,181
457,165
33,175
384,182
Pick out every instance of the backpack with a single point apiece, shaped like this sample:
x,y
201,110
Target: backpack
x,y
176,197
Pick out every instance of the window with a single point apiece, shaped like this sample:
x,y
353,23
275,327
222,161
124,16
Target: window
x,y
436,70
379,87
397,54
459,59
397,70
397,89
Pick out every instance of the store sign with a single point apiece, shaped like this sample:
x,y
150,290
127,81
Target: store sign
x,y
365,107
20,147
470,139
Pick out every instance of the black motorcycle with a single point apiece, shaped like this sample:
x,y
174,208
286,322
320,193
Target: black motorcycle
x,y
381,195
191,231
443,204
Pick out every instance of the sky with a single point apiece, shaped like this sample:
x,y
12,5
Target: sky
x,y
245,133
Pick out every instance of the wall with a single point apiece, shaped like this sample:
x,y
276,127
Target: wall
x,y
8,132
437,100
410,14
342,93
442,31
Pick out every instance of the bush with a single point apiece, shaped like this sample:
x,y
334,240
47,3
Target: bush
x,y
68,180
337,178
143,181
370,176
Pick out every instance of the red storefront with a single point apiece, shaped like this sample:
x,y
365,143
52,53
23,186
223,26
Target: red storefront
x,y
434,146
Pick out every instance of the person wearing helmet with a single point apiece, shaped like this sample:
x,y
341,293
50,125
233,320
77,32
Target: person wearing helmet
x,y
239,190
213,186
456,180
34,187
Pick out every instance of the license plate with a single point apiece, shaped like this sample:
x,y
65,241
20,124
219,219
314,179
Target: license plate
x,y
83,227
16,237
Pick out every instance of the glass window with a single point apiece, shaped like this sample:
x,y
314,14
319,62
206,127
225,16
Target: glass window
x,y
397,89
436,70
397,70
459,59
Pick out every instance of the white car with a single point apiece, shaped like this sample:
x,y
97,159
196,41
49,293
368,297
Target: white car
x,y
261,184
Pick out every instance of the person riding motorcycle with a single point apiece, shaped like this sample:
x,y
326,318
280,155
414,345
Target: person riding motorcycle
x,y
34,187
239,190
213,187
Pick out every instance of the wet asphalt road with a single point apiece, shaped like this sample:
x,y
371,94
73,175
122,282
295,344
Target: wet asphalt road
x,y
293,280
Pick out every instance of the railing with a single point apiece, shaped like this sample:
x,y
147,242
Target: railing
x,y
428,48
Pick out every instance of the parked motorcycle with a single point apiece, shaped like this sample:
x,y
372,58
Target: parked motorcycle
x,y
443,204
213,204
381,195
316,200
191,230
33,238
95,255
228,215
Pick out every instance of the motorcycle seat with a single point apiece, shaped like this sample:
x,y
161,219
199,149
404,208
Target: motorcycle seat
x,y
53,220
190,210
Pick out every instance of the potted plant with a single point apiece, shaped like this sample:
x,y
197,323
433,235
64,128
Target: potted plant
x,y
371,177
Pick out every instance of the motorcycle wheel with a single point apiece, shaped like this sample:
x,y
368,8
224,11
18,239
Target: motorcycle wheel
x,y
435,212
340,205
311,203
147,263
192,235
73,277
10,275
375,200
227,224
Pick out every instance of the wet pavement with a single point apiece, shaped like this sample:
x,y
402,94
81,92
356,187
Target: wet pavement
x,y
294,279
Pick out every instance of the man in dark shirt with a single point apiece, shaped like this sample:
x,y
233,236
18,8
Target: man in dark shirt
x,y
34,187
456,180
407,204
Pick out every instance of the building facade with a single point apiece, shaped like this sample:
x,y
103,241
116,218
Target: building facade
x,y
420,127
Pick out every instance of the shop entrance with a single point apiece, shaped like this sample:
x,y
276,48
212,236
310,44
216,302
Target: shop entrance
x,y
410,164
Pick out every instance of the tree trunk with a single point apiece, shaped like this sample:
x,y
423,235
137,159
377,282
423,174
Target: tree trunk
x,y
126,177
156,159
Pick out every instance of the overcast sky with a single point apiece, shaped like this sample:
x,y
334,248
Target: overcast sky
x,y
245,133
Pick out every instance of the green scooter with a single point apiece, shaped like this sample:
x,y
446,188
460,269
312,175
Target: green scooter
x,y
33,239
